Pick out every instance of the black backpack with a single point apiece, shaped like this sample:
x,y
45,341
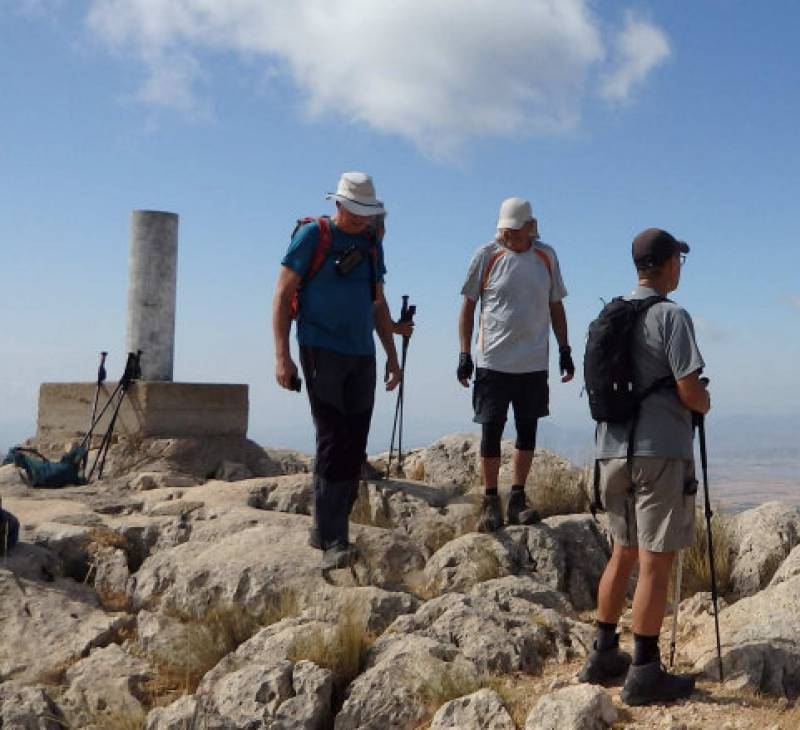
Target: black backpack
x,y
608,371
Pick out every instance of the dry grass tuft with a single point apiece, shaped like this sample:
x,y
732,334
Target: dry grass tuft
x,y
103,537
450,684
696,571
342,650
207,639
366,512
518,692
559,490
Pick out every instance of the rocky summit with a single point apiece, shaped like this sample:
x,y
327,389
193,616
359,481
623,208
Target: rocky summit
x,y
180,592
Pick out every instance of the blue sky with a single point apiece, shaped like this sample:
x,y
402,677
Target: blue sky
x,y
610,117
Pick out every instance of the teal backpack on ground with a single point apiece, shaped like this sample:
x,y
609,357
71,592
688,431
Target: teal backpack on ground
x,y
9,531
41,472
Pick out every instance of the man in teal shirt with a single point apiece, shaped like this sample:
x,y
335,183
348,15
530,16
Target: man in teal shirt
x,y
340,306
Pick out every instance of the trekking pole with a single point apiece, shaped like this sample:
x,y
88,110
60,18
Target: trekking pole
x,y
131,373
676,601
101,377
407,313
701,428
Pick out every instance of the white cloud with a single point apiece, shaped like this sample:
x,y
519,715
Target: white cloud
x,y
638,48
436,72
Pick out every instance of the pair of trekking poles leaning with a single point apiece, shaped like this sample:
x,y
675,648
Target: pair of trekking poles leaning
x,y
73,467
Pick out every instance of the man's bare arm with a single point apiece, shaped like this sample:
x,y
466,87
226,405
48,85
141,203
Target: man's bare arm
x,y
693,393
384,327
466,324
288,282
558,320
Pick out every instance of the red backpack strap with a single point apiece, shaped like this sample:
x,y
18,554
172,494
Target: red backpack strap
x,y
547,262
323,245
492,261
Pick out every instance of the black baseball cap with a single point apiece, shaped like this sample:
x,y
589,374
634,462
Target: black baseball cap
x,y
654,246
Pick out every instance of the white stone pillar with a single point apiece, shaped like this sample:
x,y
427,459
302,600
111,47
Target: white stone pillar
x,y
152,279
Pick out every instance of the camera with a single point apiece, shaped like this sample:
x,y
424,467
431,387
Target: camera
x,y
348,261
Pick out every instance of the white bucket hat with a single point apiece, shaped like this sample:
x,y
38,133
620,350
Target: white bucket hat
x,y
356,193
514,213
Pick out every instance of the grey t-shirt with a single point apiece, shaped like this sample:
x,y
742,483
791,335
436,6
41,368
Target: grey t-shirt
x,y
514,327
663,345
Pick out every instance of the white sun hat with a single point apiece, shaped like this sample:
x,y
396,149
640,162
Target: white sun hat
x,y
356,193
514,213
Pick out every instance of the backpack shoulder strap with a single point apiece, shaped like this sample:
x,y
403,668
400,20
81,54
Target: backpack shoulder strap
x,y
495,257
323,244
546,259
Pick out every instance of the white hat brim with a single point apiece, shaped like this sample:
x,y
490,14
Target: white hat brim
x,y
511,223
357,208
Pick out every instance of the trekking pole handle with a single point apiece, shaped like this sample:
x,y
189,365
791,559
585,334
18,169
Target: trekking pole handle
x,y
101,369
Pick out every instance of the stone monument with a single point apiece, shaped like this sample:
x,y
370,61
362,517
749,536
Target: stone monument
x,y
155,406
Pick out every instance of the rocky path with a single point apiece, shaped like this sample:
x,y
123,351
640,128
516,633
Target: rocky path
x,y
181,592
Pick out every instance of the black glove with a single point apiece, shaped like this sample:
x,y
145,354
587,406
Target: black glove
x,y
565,363
465,366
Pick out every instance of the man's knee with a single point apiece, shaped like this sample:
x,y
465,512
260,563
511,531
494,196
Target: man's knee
x,y
491,434
526,434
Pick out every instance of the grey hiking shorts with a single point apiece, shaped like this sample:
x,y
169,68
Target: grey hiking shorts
x,y
651,505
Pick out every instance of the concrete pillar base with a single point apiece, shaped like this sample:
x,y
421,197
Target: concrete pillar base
x,y
151,409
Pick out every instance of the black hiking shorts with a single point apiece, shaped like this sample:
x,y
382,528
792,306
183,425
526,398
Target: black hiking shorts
x,y
527,393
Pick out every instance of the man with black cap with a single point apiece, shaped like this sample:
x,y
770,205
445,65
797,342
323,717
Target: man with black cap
x,y
517,279
340,303
650,499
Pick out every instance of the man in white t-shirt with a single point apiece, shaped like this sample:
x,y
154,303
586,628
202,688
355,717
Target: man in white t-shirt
x,y
518,282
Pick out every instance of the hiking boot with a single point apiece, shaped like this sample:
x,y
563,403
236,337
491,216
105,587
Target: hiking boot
x,y
491,518
517,511
651,684
337,556
604,665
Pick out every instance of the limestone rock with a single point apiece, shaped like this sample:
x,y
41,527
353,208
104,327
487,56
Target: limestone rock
x,y
469,560
789,568
505,591
232,471
111,577
482,710
393,560
587,553
24,707
107,685
250,696
69,542
452,460
47,625
34,562
175,508
497,637
762,538
145,481
12,482
580,707
242,556
180,715
760,641
310,707
294,494
473,558
404,683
